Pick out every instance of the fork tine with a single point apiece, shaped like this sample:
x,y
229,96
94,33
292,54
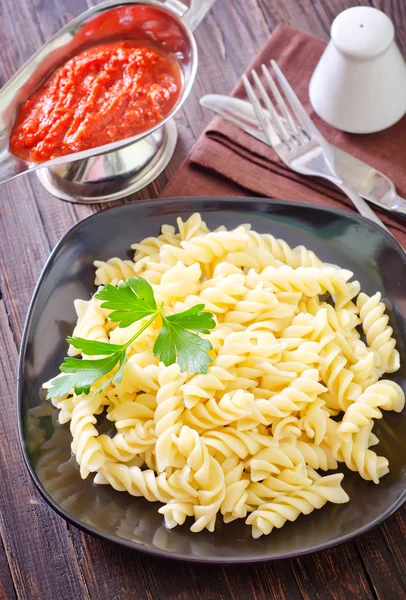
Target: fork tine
x,y
279,99
275,118
294,100
307,123
259,111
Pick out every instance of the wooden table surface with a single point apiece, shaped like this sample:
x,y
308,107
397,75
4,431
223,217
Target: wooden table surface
x,y
41,556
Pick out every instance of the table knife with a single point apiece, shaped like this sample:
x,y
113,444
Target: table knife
x,y
370,183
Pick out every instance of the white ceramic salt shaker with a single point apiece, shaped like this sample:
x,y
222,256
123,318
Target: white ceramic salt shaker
x,y
359,84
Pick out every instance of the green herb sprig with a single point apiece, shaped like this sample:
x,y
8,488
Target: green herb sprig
x,y
129,302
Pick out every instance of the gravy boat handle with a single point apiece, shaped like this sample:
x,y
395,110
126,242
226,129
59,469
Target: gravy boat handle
x,y
180,7
195,11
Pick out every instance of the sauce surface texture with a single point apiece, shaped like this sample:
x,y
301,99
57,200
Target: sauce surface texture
x,y
103,94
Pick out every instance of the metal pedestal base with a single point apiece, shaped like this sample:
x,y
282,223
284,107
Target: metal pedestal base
x,y
115,174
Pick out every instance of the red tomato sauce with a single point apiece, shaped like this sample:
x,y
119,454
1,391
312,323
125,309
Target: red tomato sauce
x,y
103,94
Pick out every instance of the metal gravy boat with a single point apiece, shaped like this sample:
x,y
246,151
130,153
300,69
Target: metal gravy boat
x,y
120,168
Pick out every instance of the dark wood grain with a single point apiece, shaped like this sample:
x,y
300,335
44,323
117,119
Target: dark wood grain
x,y
7,591
36,542
334,574
41,556
383,552
262,582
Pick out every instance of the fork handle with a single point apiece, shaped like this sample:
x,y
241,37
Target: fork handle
x,y
362,207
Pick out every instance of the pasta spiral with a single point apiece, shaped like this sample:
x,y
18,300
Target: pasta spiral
x,y
286,428
167,414
234,505
293,398
113,270
356,454
231,407
85,444
155,488
339,379
91,322
384,394
378,333
288,455
229,441
286,481
121,448
313,421
289,507
205,249
208,475
283,253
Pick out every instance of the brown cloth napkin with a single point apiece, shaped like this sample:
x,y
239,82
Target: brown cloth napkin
x,y
229,162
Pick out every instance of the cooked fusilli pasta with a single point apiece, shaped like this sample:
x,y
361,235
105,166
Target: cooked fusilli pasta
x,y
292,387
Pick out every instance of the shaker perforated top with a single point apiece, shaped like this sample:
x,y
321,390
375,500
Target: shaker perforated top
x,y
362,32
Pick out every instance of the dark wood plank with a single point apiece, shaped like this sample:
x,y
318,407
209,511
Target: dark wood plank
x,y
383,552
37,544
203,582
110,571
7,590
334,574
132,575
24,252
265,581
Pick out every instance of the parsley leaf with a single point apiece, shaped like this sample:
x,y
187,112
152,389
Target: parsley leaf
x,y
175,344
130,301
81,374
194,319
93,348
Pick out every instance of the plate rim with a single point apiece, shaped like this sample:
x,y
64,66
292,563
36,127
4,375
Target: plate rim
x,y
137,546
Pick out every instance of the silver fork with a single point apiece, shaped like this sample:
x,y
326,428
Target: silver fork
x,y
300,145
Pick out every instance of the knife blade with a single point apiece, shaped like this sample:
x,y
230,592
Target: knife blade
x,y
370,183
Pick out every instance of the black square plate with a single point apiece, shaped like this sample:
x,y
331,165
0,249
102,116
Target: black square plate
x,y
377,261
